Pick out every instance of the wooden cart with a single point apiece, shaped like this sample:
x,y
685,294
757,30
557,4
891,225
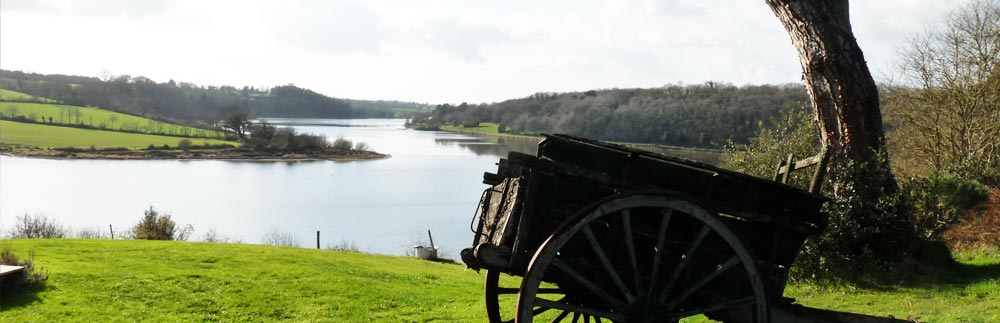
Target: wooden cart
x,y
596,232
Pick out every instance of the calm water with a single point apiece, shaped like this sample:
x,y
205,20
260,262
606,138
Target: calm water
x,y
432,181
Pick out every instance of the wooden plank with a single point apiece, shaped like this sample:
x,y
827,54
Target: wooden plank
x,y
10,270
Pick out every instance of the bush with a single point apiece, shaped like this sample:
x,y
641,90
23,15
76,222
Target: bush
x,y
37,226
184,144
342,143
156,226
362,146
276,237
31,276
793,133
938,200
92,233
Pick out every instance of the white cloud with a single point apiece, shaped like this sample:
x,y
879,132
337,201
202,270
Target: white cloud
x,y
434,50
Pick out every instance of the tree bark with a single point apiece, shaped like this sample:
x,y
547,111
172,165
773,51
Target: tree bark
x,y
844,96
865,221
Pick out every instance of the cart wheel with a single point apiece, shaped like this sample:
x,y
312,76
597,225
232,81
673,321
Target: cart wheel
x,y
645,258
501,297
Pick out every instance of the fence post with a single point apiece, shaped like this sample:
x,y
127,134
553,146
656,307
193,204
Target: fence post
x,y
317,239
112,231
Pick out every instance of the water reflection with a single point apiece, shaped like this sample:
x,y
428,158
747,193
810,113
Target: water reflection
x,y
492,146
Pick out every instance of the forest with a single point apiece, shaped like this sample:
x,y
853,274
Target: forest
x,y
141,96
697,115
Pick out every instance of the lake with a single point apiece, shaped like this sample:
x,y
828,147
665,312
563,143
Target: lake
x,y
432,181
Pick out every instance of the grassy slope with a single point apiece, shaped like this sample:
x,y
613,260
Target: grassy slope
x,y
118,281
54,136
155,281
14,95
102,118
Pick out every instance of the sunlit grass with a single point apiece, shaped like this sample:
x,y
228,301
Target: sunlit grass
x,y
100,118
157,281
45,136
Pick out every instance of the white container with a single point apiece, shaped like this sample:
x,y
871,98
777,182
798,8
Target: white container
x,y
425,253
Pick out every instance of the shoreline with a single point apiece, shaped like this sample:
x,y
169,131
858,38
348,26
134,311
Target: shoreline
x,y
223,155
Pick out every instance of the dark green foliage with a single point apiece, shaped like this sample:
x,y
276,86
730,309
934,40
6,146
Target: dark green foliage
x,y
30,277
184,144
792,133
185,101
939,199
869,223
688,115
267,138
156,226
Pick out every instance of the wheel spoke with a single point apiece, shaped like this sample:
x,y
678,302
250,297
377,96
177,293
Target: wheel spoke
x,y
715,273
684,261
561,316
714,307
507,290
578,310
658,253
630,246
562,266
603,257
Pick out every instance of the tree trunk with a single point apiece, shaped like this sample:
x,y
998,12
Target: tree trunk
x,y
844,96
865,223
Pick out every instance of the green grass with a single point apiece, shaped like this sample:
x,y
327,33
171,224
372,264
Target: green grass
x,y
16,96
157,281
65,114
45,136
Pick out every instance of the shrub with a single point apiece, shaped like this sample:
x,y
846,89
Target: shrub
x,y
939,199
184,144
344,245
156,226
341,143
91,233
37,226
362,146
31,276
793,133
276,237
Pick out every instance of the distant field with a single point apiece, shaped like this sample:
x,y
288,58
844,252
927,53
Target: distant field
x,y
100,118
46,136
13,95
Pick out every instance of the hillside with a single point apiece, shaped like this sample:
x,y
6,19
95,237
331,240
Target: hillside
x,y
701,115
141,96
161,281
47,136
58,114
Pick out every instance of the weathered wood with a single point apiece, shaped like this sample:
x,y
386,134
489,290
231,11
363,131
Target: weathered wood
x,y
844,96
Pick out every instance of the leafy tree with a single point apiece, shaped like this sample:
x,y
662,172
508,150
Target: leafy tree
x,y
236,120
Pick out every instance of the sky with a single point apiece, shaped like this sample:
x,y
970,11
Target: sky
x,y
435,51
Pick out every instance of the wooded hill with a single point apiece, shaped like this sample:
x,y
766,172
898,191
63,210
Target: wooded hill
x,y
704,115
186,101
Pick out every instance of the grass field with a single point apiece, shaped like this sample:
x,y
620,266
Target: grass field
x,y
158,281
45,136
65,114
14,95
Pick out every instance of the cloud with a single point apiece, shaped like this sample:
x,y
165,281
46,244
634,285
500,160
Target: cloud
x,y
464,41
98,8
327,27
